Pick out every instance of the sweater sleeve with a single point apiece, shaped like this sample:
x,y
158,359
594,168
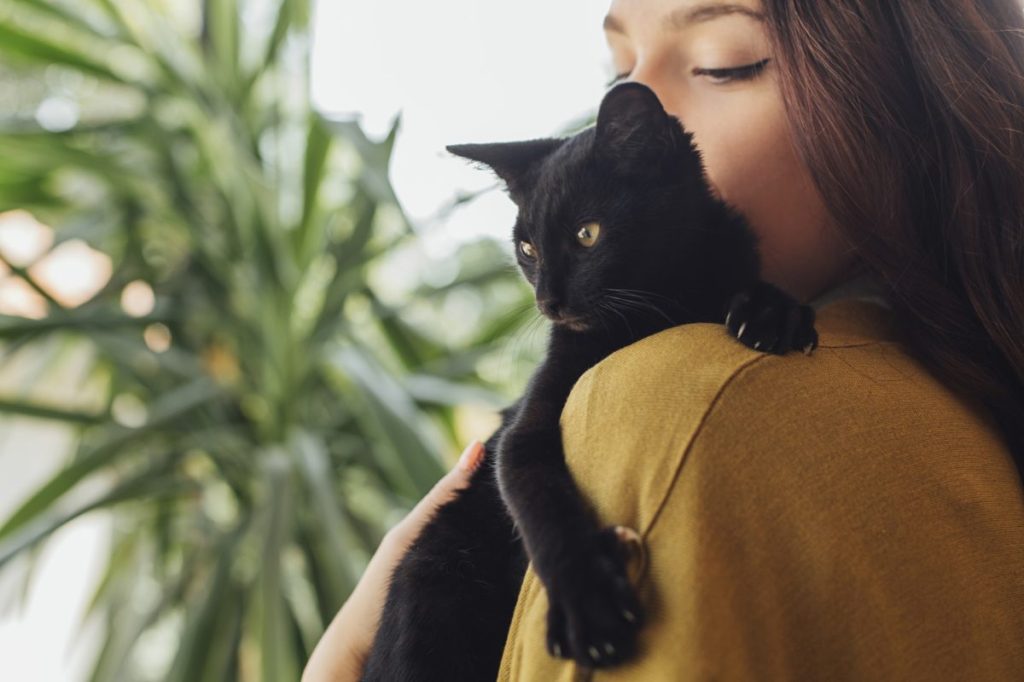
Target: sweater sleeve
x,y
838,516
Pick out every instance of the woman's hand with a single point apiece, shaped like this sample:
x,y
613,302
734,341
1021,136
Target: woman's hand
x,y
341,653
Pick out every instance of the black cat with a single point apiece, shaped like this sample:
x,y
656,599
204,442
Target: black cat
x,y
620,237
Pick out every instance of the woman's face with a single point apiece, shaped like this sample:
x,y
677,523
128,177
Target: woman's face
x,y
738,123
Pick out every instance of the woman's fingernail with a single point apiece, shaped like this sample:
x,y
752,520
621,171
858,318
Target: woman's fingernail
x,y
472,455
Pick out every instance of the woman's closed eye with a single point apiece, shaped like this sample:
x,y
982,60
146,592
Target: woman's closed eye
x,y
718,76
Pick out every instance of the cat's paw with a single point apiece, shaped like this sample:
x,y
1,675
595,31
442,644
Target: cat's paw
x,y
768,319
594,612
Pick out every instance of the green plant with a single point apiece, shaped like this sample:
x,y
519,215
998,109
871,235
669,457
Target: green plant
x,y
255,463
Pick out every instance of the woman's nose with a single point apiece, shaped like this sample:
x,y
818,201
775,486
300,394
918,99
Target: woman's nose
x,y
652,74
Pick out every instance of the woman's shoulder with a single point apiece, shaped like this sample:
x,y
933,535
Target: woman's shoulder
x,y
705,352
858,374
693,401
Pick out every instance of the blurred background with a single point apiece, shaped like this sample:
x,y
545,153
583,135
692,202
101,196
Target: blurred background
x,y
250,309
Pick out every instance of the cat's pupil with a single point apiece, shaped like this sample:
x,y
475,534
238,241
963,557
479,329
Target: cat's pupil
x,y
527,249
587,235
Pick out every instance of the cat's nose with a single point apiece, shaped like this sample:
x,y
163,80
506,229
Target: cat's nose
x,y
550,306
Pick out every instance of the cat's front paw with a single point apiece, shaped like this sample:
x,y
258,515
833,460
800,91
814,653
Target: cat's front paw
x,y
594,612
768,319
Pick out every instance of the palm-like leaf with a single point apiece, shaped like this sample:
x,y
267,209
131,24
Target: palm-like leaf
x,y
295,413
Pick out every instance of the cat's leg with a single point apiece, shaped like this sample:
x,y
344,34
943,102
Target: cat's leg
x,y
594,613
765,318
451,597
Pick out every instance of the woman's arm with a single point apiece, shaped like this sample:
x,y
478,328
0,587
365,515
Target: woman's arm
x,y
341,652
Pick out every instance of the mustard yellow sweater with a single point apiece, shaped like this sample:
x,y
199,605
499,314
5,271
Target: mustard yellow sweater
x,y
839,516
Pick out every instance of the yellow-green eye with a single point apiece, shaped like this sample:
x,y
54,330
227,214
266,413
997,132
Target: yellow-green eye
x,y
527,249
587,234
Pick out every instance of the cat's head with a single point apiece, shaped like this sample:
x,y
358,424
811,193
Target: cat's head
x,y
608,216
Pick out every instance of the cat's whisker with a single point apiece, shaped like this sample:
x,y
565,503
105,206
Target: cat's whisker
x,y
646,308
629,306
600,307
627,303
527,338
639,299
512,348
650,306
640,293
646,295
538,326
610,306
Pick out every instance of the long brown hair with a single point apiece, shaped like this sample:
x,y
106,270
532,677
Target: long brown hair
x,y
910,116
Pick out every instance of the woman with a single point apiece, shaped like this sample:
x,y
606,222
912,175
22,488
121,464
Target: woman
x,y
858,513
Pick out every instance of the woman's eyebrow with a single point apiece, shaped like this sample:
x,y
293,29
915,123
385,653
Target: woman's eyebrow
x,y
682,17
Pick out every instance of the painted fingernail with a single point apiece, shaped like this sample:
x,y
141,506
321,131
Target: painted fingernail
x,y
472,456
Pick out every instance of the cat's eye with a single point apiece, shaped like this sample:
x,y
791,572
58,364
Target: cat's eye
x,y
587,234
527,249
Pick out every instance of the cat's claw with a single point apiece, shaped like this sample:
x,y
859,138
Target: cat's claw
x,y
594,614
765,318
556,635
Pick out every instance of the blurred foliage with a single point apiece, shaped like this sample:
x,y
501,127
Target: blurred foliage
x,y
301,406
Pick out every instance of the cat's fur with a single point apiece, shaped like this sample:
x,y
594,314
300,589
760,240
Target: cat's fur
x,y
667,253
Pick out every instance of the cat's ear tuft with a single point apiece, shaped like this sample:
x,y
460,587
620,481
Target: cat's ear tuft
x,y
634,128
511,161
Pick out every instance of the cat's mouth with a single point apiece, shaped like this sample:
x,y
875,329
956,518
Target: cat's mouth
x,y
577,324
561,315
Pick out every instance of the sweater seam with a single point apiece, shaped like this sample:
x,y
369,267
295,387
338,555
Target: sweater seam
x,y
742,369
860,344
696,433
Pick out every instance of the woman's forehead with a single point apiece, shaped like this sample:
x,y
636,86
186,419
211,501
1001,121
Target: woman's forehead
x,y
676,15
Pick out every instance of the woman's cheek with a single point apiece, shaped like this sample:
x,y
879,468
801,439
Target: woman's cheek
x,y
730,163
744,146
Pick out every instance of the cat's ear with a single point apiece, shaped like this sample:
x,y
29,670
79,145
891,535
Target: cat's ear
x,y
633,128
511,161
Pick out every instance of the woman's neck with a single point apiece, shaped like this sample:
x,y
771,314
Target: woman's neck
x,y
861,284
